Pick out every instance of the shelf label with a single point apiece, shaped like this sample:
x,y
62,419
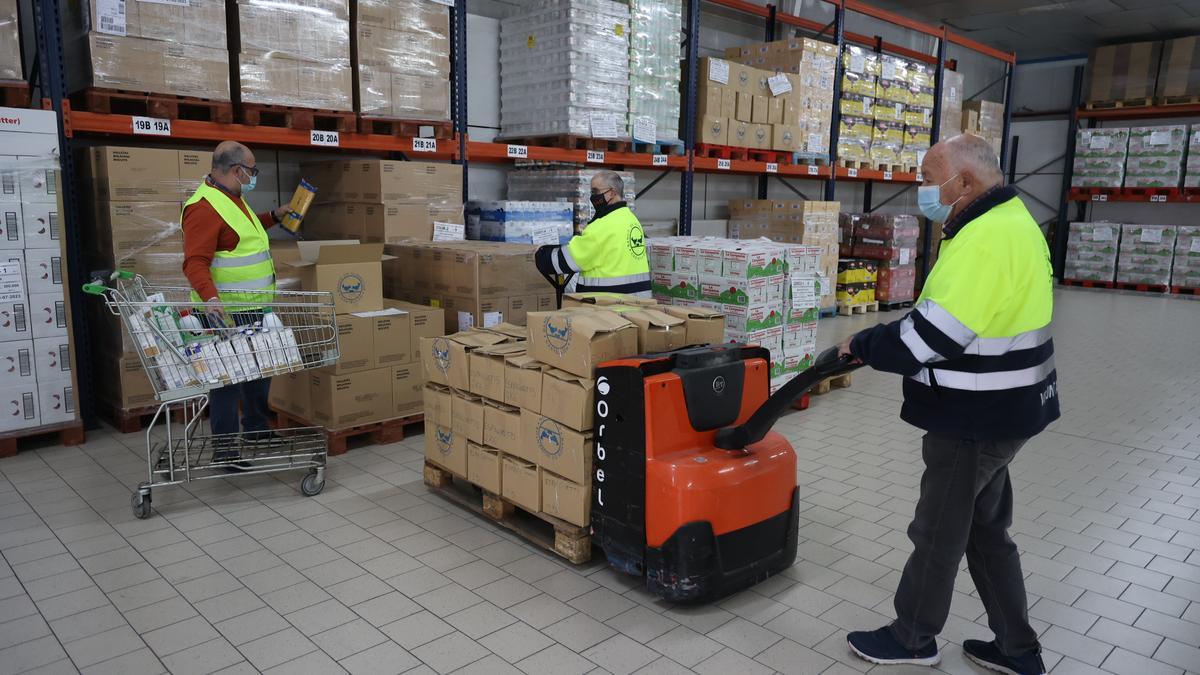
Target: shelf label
x,y
1158,198
110,17
1162,137
1151,235
1102,234
1099,142
1099,198
329,138
595,156
920,177
853,173
604,125
887,175
772,167
424,145
658,160
518,151
645,129
718,71
724,164
813,170
152,126
779,84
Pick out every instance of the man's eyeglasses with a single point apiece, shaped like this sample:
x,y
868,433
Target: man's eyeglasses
x,y
252,170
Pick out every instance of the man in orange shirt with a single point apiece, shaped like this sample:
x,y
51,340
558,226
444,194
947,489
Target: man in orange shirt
x,y
223,238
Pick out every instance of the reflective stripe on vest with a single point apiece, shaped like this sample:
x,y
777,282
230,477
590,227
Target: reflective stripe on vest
x,y
1005,379
237,274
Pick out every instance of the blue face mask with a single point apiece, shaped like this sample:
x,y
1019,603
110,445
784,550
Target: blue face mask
x,y
249,187
929,200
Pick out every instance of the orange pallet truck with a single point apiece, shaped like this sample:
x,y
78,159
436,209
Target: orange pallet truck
x,y
692,490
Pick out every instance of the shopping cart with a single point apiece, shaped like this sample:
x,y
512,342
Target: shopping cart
x,y
187,353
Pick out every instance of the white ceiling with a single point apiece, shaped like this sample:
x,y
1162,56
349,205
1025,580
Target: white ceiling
x,y
1047,28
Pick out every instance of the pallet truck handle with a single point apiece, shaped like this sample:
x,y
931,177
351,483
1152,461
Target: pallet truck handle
x,y
828,364
559,282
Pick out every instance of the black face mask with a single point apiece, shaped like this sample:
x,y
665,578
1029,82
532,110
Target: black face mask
x,y
598,201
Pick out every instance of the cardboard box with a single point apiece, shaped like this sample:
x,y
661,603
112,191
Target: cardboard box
x,y
775,108
48,314
445,358
1179,72
577,341
356,343
424,321
467,414
407,389
745,107
739,134
12,228
43,271
701,326
787,138
17,363
483,467
761,113
340,401
487,368
123,383
759,136
713,130
568,398
52,358
374,223
379,181
124,231
556,447
523,382
709,101
439,404
56,401
40,226
657,331
135,174
521,483
291,393
1123,71
10,42
347,269
566,500
21,408
502,429
391,331
445,448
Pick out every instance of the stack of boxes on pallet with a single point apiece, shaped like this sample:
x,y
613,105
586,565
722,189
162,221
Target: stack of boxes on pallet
x,y
401,54
793,221
293,53
1100,158
1152,255
1185,270
856,282
986,120
887,109
564,69
655,33
1155,156
34,338
768,292
385,201
564,184
1092,252
1146,254
1138,157
520,222
891,241
952,105
159,47
1191,170
1135,73
10,42
779,97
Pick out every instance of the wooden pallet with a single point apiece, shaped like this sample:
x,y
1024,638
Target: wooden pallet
x,y
413,128
564,539
132,420
827,312
1184,290
722,151
1119,103
69,433
289,117
1117,285
659,148
1190,99
805,158
14,95
836,382
876,166
890,306
148,104
858,308
383,432
572,142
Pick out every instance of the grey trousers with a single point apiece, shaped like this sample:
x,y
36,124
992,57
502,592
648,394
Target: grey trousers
x,y
965,506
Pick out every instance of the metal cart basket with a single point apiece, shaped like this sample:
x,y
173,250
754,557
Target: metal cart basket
x,y
187,352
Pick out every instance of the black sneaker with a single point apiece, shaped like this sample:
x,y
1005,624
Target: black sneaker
x,y
880,646
988,655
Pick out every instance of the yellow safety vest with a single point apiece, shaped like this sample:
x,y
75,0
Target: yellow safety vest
x,y
611,255
245,276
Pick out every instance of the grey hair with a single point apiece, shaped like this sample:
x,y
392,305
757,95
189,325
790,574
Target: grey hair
x,y
611,180
227,155
977,154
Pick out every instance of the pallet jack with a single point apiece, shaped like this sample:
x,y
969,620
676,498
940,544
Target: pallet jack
x,y
691,489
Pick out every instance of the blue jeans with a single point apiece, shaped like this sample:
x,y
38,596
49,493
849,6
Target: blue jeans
x,y
223,402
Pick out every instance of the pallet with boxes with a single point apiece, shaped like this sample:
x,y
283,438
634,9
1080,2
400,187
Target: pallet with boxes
x,y
401,54
887,110
793,222
879,259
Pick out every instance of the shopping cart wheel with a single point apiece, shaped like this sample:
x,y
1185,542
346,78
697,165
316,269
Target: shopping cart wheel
x,y
312,484
141,502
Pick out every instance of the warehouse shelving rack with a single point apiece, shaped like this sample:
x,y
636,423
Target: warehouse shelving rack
x,y
75,126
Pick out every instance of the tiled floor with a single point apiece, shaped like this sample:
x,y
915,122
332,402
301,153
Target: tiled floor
x,y
377,575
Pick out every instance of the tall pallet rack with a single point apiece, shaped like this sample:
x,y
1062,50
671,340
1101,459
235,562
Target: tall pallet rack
x,y
75,125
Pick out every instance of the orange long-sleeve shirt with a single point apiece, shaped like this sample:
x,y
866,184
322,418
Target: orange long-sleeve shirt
x,y
205,233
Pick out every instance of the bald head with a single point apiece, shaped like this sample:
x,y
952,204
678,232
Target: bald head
x,y
965,167
232,164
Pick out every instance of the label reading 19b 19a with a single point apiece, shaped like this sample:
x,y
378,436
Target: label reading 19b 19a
x,y
327,138
424,145
153,126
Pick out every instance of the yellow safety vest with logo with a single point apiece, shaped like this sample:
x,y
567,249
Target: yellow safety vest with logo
x,y
609,255
245,276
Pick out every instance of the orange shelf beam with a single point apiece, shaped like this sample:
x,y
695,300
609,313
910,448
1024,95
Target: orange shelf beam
x,y
844,173
744,167
1140,112
480,151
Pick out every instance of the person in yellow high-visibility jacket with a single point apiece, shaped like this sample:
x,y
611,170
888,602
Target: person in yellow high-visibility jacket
x,y
978,361
610,254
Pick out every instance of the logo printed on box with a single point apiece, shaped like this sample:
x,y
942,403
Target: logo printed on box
x,y
441,354
350,286
558,338
445,442
550,437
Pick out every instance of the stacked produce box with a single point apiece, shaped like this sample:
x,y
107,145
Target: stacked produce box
x,y
768,292
401,54
860,74
952,105
10,42
1191,176
291,52
887,109
1092,251
856,282
564,69
162,48
986,120
1185,270
519,222
891,241
793,222
559,183
1155,156
478,284
37,380
794,79
384,201
1146,254
1100,158
655,33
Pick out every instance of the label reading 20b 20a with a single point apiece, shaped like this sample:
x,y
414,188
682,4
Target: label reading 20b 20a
x,y
153,126
326,138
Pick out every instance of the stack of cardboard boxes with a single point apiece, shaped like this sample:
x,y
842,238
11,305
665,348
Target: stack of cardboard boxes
x,y
1191,169
986,120
558,183
952,105
1100,158
793,221
655,32
377,376
1155,156
10,42
1146,254
36,382
384,201
1092,251
887,108
402,59
156,47
890,242
291,52
478,284
1185,271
